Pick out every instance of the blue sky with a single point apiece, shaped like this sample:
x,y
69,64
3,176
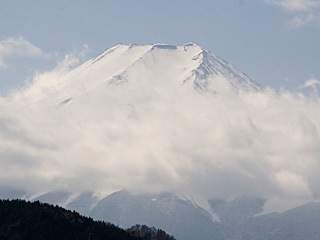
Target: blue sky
x,y
275,42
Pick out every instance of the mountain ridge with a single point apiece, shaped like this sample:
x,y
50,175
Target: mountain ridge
x,y
183,218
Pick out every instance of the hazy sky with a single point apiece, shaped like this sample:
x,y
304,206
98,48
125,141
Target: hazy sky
x,y
275,42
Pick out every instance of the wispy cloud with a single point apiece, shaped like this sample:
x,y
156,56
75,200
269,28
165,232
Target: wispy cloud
x,y
18,47
305,11
312,84
297,5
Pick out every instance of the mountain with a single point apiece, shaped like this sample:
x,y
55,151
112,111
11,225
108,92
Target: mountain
x,y
178,215
156,67
10,193
168,136
239,219
298,223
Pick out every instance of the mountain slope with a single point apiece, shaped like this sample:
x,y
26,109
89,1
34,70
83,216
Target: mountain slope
x,y
177,215
174,213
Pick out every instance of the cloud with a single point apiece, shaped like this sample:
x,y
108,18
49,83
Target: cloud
x,y
305,11
297,5
304,20
18,47
145,138
311,83
292,183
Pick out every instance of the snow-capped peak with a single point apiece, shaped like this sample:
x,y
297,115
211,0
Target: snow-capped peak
x,y
156,66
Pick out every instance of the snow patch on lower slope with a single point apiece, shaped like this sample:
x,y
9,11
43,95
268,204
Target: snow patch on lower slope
x,y
203,203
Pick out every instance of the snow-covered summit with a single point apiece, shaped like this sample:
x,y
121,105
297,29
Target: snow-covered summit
x,y
156,66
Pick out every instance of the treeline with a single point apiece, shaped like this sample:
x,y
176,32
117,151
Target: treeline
x,y
22,220
149,233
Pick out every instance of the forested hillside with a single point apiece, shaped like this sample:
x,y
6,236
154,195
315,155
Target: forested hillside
x,y
21,220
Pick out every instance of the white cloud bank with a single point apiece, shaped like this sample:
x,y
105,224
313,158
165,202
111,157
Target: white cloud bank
x,y
152,139
305,11
17,47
